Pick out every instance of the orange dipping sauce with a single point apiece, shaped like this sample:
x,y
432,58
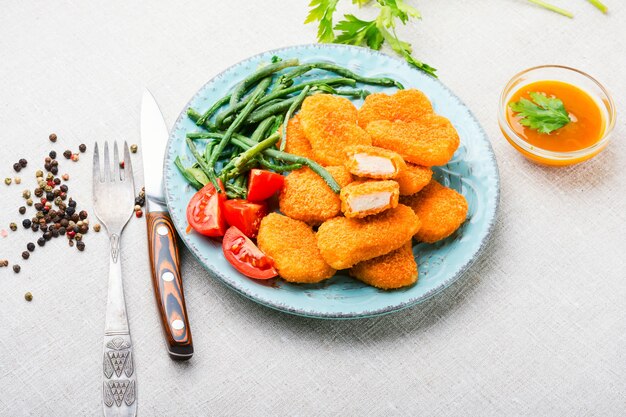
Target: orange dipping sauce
x,y
587,123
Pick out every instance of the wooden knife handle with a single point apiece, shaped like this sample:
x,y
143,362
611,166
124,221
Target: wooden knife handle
x,y
168,285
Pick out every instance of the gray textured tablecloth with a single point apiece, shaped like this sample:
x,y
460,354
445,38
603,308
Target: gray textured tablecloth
x,y
535,328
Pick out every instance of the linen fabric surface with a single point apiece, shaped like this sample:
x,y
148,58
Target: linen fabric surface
x,y
536,327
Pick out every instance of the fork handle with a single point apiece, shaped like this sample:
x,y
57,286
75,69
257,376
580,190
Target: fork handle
x,y
168,285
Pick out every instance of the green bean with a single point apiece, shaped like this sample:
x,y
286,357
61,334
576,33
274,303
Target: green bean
x,y
344,72
215,107
265,112
223,116
278,168
263,72
294,106
262,128
252,152
277,124
237,192
190,179
198,175
204,166
258,92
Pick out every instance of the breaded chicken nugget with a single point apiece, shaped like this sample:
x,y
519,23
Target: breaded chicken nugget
x,y
329,123
297,143
305,196
394,270
344,242
293,247
441,210
430,141
373,162
405,105
364,198
413,179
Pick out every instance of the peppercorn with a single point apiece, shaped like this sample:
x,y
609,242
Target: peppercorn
x,y
38,192
26,194
47,235
28,296
13,226
22,210
137,207
75,157
83,214
83,229
63,195
44,228
82,147
55,233
71,234
78,236
63,188
4,263
30,246
23,162
25,254
17,268
53,154
54,169
62,230
57,181
17,180
72,203
122,164
138,213
7,181
71,243
47,166
29,202
41,241
38,173
80,245
133,148
67,154
86,222
54,163
26,223
96,227
140,201
52,137
35,227
71,209
17,167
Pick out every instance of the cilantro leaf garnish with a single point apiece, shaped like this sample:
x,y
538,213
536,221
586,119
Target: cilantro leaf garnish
x,y
543,114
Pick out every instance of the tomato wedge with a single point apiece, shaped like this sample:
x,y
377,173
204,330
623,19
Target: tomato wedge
x,y
245,215
245,257
263,184
204,212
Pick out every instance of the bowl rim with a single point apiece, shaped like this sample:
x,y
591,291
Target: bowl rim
x,y
545,153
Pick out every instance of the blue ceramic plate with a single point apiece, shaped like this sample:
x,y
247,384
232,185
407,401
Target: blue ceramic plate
x,y
473,172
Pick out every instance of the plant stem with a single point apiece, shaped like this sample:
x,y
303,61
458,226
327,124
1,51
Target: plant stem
x,y
600,6
241,88
552,8
294,106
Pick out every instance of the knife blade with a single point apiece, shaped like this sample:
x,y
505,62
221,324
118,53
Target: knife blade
x,y
162,245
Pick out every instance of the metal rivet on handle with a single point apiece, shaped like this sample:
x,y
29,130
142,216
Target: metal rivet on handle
x,y
178,324
167,276
162,230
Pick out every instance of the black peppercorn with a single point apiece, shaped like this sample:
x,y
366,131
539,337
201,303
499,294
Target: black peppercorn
x,y
63,188
55,233
50,196
70,210
41,241
38,192
30,246
54,169
54,163
26,223
43,227
75,217
83,215
38,206
83,229
47,235
80,245
72,203
35,227
53,154
16,269
22,210
57,180
52,137
25,254
47,167
17,167
23,162
61,230
67,154
82,147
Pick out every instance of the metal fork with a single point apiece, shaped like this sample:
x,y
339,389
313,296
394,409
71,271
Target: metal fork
x,y
113,199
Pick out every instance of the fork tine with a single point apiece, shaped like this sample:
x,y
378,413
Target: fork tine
x,y
107,162
97,173
128,167
116,163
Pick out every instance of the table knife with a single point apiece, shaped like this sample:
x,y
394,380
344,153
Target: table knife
x,y
162,245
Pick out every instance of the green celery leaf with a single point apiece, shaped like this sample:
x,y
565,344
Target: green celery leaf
x,y
322,11
543,114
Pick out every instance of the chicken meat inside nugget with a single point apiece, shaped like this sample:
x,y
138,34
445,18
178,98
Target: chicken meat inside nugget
x,y
364,198
405,105
430,141
292,246
441,210
306,196
394,270
296,141
413,179
344,242
329,123
373,162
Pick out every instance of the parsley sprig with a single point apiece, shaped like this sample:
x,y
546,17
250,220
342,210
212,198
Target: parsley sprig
x,y
371,33
544,114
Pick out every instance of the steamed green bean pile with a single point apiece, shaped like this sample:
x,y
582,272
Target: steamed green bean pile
x,y
241,130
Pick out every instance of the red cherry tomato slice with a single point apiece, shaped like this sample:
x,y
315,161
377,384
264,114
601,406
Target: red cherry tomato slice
x,y
205,211
245,215
263,184
245,256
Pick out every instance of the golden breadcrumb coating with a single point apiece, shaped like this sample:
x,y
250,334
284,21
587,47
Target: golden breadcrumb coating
x,y
329,123
413,178
430,141
365,198
297,143
405,105
373,162
394,270
441,209
305,196
344,242
293,247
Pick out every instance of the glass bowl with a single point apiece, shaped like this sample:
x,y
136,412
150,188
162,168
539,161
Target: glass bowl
x,y
567,75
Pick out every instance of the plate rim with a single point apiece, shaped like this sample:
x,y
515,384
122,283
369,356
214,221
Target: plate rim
x,y
168,161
